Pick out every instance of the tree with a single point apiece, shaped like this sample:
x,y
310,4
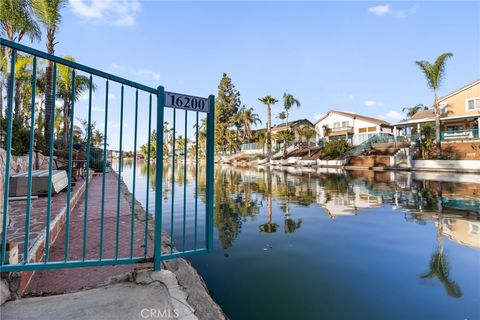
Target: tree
x,y
268,101
15,22
23,71
410,112
282,116
247,117
180,144
48,13
64,92
308,133
288,102
326,130
434,73
286,136
226,107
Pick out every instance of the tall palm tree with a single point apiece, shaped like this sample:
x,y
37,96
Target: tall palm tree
x,y
434,73
16,21
247,118
268,101
288,102
48,13
64,92
413,110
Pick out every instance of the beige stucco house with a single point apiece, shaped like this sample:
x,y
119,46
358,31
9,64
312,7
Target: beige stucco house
x,y
460,114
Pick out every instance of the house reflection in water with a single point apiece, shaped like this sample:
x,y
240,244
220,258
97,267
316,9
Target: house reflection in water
x,y
338,204
462,231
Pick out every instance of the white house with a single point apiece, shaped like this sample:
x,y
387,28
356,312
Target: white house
x,y
352,127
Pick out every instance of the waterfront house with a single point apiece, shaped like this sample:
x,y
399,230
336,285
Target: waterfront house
x,y
352,127
460,114
292,125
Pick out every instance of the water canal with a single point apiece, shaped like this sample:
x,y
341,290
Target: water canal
x,y
332,244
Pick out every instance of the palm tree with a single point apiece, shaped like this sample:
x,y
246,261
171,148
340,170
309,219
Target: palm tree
x,y
15,22
308,133
48,13
326,131
97,138
23,70
288,102
247,117
434,73
413,110
268,101
282,116
64,92
285,136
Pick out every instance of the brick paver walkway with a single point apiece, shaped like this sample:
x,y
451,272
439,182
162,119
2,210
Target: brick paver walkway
x,y
68,280
38,216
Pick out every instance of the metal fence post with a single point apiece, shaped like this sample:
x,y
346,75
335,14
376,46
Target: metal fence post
x,y
159,179
209,173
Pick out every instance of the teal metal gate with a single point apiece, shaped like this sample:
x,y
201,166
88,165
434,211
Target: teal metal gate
x,y
122,248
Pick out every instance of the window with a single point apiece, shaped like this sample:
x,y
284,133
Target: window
x,y
452,128
362,130
472,104
372,129
345,124
336,124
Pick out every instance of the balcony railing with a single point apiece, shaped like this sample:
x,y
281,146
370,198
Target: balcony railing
x,y
467,134
341,130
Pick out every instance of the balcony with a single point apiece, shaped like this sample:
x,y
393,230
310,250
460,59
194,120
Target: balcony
x,y
459,135
341,131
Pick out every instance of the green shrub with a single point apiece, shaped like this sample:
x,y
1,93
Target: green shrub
x,y
335,149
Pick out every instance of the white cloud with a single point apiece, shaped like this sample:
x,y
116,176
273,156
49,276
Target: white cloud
x,y
391,115
373,103
380,10
98,109
385,9
119,13
142,72
350,97
148,73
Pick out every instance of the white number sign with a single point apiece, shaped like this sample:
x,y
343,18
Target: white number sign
x,y
183,101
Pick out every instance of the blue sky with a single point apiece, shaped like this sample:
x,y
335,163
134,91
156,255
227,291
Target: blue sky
x,y
350,56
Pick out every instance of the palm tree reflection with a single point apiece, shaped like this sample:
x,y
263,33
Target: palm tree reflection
x,y
439,264
269,227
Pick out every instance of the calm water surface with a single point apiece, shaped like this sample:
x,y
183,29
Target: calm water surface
x,y
322,244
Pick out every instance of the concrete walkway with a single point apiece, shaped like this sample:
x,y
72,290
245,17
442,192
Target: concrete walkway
x,y
150,295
